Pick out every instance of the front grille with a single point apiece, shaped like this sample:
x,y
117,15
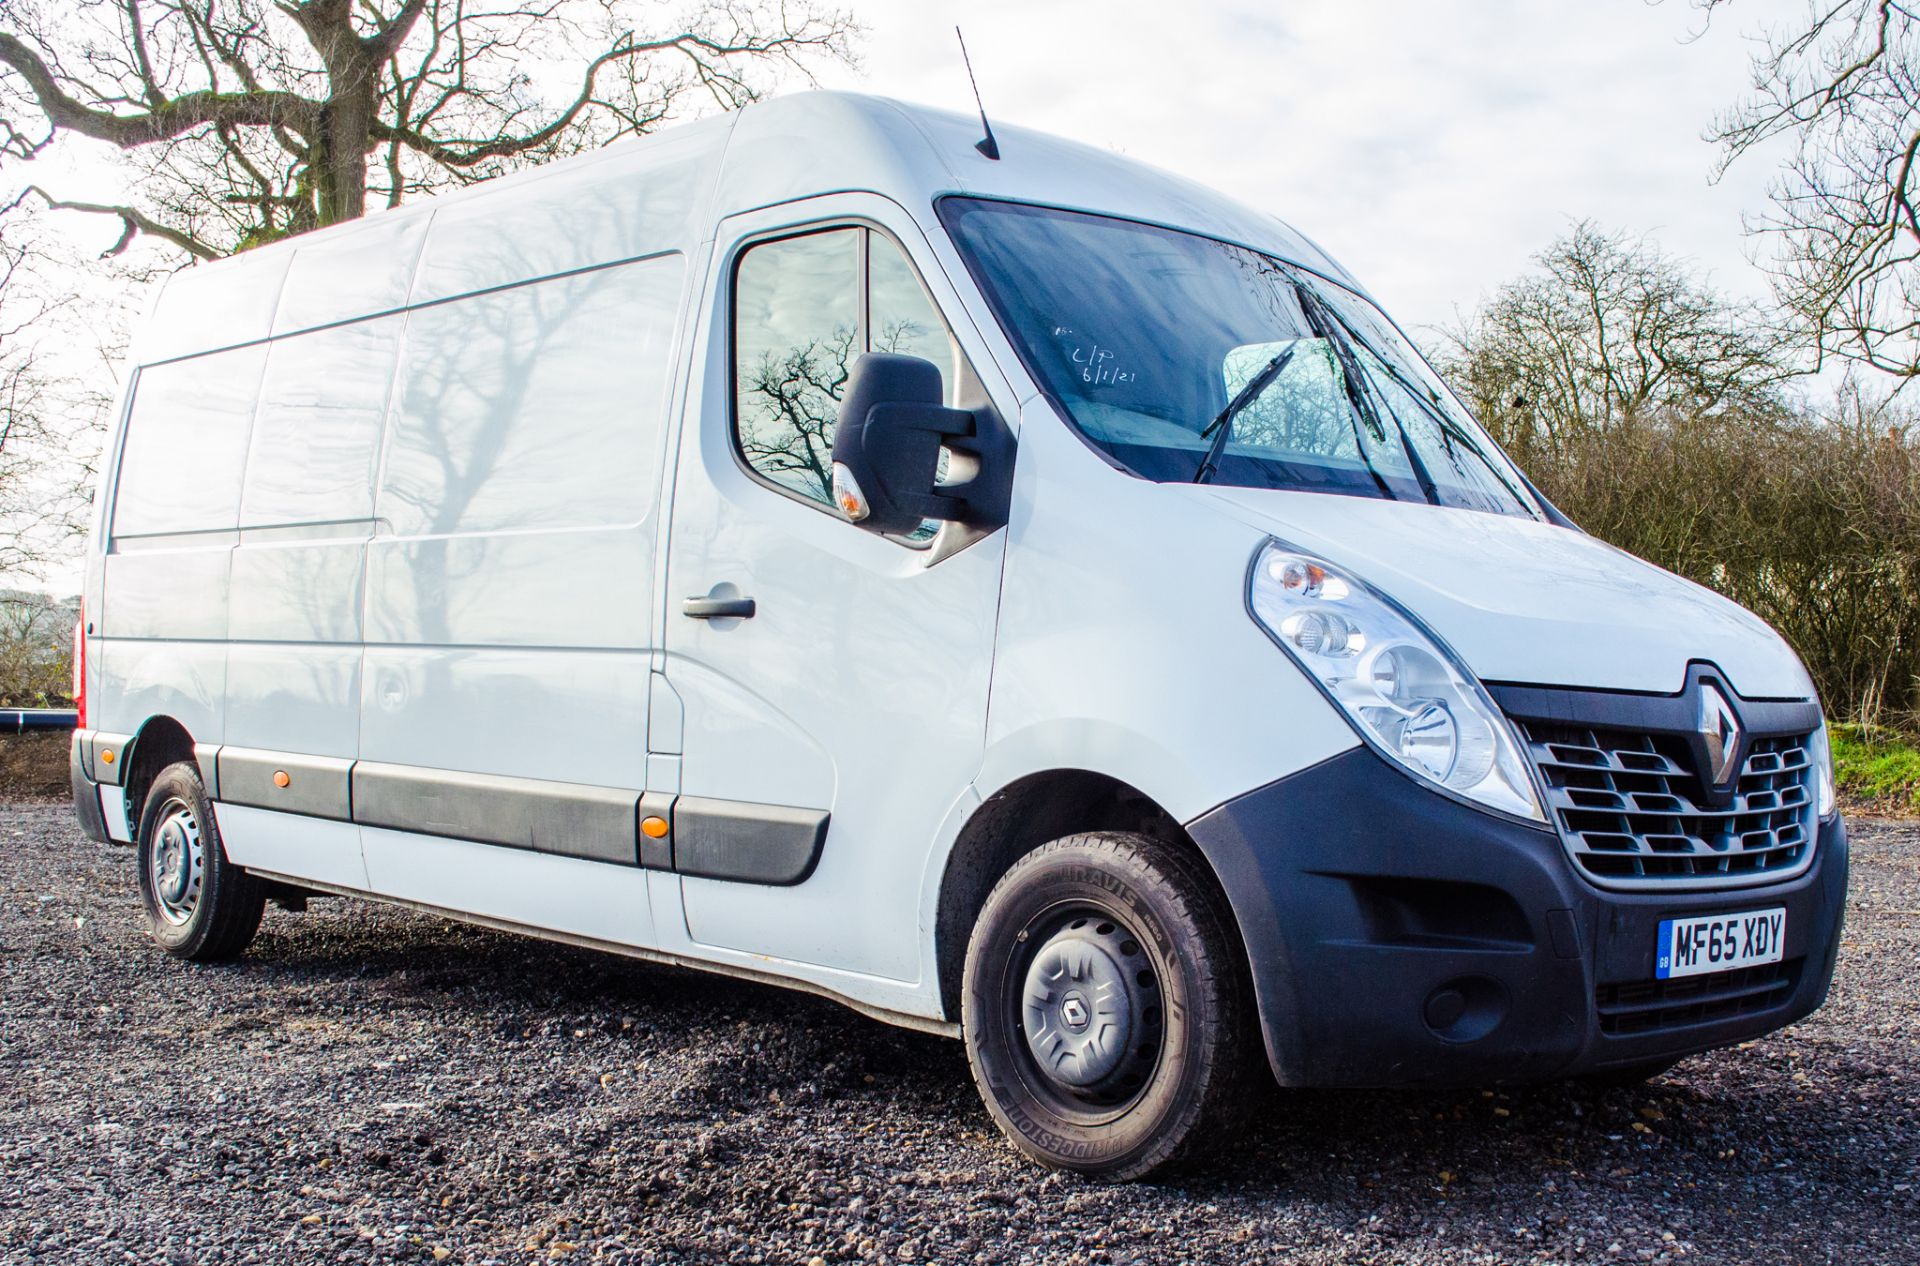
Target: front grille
x,y
1648,1006
1628,805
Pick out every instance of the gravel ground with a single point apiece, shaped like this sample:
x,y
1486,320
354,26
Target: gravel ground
x,y
372,1085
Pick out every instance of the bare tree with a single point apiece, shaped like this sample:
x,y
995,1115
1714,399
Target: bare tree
x,y
23,421
792,402
36,634
1845,87
40,495
1608,328
248,120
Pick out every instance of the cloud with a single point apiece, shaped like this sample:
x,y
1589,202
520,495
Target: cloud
x,y
1432,145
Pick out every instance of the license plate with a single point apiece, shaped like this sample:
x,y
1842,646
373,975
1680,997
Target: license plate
x,y
1719,942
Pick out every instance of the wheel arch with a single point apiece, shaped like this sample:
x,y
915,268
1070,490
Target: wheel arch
x,y
161,741
1021,816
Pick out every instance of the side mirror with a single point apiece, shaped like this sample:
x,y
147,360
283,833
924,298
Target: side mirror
x,y
886,446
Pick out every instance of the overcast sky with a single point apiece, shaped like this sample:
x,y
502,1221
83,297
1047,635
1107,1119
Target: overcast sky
x,y
1431,145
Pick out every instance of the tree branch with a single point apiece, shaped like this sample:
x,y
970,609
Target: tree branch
x,y
137,35
387,40
691,43
134,220
170,119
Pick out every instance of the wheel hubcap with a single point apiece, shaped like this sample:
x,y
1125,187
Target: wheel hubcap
x,y
177,862
1089,1011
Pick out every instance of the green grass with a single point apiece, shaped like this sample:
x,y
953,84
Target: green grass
x,y
1877,766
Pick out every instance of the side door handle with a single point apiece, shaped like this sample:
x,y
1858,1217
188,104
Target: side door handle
x,y
718,608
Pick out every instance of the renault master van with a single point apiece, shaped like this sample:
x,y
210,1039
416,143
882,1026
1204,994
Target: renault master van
x,y
1028,598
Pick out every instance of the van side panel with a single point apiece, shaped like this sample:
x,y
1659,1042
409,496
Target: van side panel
x,y
203,308
535,890
288,844
316,439
508,612
186,445
602,210
410,465
162,622
354,271
306,513
292,688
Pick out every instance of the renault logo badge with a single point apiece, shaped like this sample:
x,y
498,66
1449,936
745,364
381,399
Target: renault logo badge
x,y
1720,729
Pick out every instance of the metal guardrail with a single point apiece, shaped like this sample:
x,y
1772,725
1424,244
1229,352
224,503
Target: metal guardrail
x,y
20,720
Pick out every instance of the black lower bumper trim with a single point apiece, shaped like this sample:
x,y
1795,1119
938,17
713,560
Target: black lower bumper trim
x,y
1398,937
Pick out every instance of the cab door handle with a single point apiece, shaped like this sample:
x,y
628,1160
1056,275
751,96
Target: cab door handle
x,y
704,608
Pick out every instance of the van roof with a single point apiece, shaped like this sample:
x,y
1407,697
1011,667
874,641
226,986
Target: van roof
x,y
662,192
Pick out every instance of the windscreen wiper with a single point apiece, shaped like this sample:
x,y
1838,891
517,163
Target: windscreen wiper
x,y
1452,434
1222,425
1359,410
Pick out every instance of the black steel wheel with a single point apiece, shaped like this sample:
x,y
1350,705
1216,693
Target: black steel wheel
x,y
199,905
1104,1005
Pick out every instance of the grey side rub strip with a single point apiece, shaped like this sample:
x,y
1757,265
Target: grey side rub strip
x,y
756,843
312,785
568,819
711,839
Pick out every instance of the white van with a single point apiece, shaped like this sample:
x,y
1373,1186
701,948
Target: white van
x,y
1032,599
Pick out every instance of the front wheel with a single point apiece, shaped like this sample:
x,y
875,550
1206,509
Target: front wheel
x,y
1104,1006
200,906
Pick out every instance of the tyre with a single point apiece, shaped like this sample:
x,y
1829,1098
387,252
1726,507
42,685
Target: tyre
x,y
1104,1006
200,906
1627,1076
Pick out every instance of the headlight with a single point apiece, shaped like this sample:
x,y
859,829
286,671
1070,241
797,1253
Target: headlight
x,y
1402,690
1823,796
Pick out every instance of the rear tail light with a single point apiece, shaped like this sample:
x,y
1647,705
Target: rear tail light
x,y
80,669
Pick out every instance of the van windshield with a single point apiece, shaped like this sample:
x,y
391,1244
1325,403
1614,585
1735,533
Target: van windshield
x,y
1144,337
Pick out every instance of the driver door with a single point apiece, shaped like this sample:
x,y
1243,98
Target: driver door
x,y
851,703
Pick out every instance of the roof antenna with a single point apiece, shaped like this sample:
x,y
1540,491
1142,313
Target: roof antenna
x,y
986,144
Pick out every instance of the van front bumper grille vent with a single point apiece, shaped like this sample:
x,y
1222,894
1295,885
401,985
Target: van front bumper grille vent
x,y
1649,1006
1630,808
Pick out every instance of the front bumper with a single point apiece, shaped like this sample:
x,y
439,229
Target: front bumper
x,y
1398,937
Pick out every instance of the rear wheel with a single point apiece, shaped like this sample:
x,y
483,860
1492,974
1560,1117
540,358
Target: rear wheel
x,y
200,906
1104,1006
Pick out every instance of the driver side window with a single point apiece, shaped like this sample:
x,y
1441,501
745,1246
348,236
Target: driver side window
x,y
804,310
